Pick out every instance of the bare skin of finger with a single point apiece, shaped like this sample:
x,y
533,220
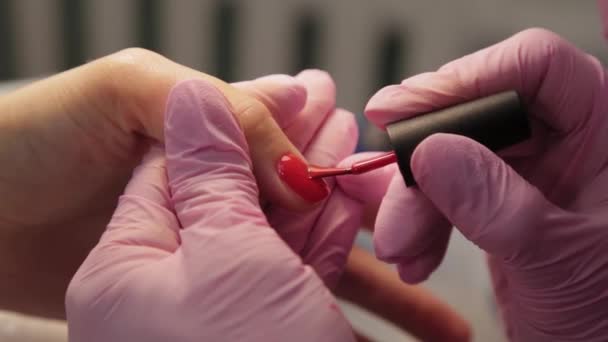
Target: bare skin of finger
x,y
370,284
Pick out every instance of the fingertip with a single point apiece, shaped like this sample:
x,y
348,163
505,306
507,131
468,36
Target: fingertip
x,y
318,82
418,268
315,76
291,84
387,105
383,249
348,120
334,140
416,95
403,218
441,162
447,167
320,104
413,272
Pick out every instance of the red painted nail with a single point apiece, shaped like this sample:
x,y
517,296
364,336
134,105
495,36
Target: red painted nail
x,y
294,172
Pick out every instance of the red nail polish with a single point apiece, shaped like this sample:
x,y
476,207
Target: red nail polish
x,y
294,172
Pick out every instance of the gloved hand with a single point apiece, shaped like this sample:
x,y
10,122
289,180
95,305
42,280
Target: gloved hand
x,y
539,209
207,243
189,254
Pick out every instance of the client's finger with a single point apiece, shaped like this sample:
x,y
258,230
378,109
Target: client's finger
x,y
370,284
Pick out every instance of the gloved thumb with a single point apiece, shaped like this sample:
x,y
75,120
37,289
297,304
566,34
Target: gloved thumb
x,y
482,196
208,165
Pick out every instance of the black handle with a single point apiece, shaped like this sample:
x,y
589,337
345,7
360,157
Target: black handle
x,y
496,121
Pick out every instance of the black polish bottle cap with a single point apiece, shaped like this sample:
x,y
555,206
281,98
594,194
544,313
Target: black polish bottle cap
x,y
496,121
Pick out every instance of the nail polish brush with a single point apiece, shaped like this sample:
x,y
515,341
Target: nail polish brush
x,y
496,121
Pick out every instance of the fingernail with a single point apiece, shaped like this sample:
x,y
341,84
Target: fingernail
x,y
294,172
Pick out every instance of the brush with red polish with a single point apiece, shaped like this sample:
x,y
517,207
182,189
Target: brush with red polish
x,y
315,172
496,121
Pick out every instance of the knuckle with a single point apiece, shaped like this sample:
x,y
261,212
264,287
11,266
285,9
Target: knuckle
x,y
132,81
133,56
252,115
131,65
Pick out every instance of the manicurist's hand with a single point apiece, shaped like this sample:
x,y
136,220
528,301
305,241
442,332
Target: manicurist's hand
x,y
189,254
538,209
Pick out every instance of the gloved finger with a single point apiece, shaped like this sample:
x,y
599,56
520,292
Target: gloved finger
x,y
535,62
410,231
208,164
215,198
335,140
142,229
283,95
492,205
416,269
411,308
320,104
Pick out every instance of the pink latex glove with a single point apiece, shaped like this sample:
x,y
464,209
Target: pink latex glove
x,y
540,211
189,254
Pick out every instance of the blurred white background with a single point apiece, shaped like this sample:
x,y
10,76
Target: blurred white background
x,y
363,44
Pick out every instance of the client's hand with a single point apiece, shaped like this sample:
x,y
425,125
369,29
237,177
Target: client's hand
x,y
68,146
